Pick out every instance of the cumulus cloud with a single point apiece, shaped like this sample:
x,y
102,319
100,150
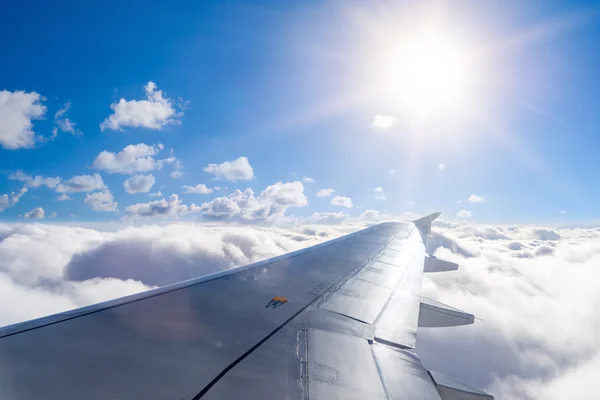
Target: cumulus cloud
x,y
36,213
53,214
243,206
63,197
81,183
236,170
441,167
7,201
306,179
475,199
17,110
156,112
63,123
139,183
379,193
170,207
156,194
328,218
132,159
539,338
341,201
198,189
325,192
37,181
383,121
101,201
464,214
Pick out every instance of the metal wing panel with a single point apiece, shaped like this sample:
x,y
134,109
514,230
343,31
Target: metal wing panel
x,y
173,342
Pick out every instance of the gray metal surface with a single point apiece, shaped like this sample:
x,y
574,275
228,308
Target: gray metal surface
x,y
405,377
435,314
451,389
359,299
433,264
341,367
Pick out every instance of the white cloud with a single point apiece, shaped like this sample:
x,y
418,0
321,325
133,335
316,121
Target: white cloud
x,y
441,167
35,182
236,170
139,183
36,213
156,194
475,199
325,192
464,214
81,183
383,121
101,201
342,201
7,201
170,207
379,193
17,110
64,123
306,179
53,214
270,206
198,189
134,158
177,170
327,218
63,197
155,112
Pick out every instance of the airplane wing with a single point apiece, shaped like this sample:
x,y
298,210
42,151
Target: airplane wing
x,y
333,321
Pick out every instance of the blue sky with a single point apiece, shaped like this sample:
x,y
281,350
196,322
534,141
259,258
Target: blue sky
x,y
296,88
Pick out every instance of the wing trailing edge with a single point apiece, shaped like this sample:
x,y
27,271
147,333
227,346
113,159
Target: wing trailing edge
x,y
433,314
451,389
433,264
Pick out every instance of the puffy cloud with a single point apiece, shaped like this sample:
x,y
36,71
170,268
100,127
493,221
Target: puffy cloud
x,y
101,201
132,159
325,192
475,199
156,194
35,182
271,205
327,218
139,183
540,334
17,110
464,214
36,213
155,112
442,167
306,179
198,189
7,201
383,121
81,183
64,123
236,170
379,193
170,207
63,197
342,201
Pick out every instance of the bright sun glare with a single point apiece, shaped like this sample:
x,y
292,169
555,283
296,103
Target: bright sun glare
x,y
426,75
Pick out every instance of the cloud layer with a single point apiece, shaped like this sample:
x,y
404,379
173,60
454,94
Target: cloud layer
x,y
535,288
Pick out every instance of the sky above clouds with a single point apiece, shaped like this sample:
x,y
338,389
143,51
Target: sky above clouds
x,y
96,117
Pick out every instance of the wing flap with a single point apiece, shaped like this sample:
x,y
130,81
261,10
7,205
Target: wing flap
x,y
433,264
451,389
433,314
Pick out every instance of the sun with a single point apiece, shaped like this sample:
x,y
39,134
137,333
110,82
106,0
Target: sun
x,y
425,74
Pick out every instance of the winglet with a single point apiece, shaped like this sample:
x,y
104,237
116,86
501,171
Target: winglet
x,y
424,224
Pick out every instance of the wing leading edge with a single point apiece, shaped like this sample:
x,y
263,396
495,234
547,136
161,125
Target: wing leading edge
x,y
336,320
